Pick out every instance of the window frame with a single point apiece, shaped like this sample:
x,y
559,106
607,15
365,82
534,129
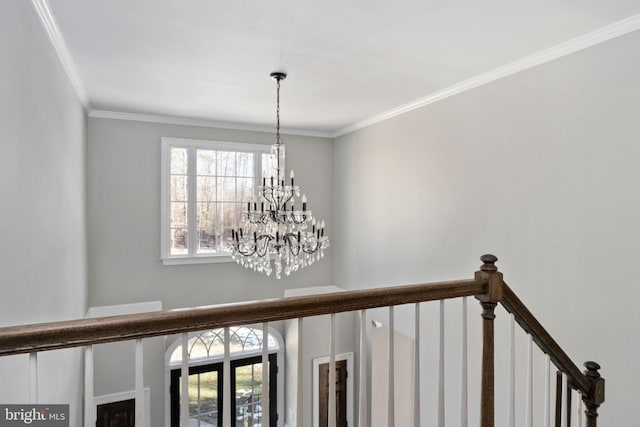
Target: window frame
x,y
167,143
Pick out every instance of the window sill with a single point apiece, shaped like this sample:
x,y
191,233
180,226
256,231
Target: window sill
x,y
200,259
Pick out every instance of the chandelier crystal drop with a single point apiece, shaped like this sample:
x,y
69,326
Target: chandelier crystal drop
x,y
277,232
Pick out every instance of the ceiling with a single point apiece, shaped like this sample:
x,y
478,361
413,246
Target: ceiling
x,y
348,61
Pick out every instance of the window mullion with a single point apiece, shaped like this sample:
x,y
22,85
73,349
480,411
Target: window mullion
x,y
192,205
218,229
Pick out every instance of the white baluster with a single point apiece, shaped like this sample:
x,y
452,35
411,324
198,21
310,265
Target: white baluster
x,y
579,412
184,372
441,369
391,398
226,381
547,392
89,405
33,377
416,368
139,384
299,393
464,386
363,369
512,373
332,372
529,398
265,374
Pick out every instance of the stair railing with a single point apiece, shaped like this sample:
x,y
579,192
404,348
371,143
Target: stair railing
x,y
589,384
487,286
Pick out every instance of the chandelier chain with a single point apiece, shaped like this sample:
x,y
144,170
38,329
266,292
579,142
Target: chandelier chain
x,y
278,113
278,232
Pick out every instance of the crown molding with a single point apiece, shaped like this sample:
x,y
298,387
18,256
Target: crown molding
x,y
593,38
172,120
53,31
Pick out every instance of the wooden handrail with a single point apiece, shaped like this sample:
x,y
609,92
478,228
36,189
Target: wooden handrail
x,y
76,333
487,286
543,339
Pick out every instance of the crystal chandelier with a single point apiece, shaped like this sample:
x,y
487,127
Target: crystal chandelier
x,y
281,235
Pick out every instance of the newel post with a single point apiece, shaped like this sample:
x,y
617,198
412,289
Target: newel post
x,y
488,300
596,395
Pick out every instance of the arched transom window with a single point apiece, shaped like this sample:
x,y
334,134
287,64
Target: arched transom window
x,y
210,344
206,377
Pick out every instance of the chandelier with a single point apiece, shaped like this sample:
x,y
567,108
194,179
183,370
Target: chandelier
x,y
281,235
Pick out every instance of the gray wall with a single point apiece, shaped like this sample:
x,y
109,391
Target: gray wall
x,y
540,168
124,233
124,219
43,191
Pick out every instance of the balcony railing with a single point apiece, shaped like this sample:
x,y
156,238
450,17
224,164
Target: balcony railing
x,y
487,286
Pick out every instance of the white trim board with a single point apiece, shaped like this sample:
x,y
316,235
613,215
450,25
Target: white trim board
x,y
316,385
53,31
122,309
593,38
184,121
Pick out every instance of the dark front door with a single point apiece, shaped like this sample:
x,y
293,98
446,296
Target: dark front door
x,y
341,394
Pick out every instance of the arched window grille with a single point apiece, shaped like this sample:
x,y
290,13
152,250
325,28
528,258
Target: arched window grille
x,y
209,344
205,351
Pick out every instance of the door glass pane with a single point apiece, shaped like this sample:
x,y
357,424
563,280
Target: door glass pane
x,y
203,399
249,395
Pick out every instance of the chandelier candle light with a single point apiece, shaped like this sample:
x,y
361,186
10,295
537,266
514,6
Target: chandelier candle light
x,y
281,235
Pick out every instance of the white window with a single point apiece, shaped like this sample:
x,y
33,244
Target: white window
x,y
206,186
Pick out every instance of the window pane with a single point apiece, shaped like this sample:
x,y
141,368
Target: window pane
x,y
226,189
206,219
207,241
226,163
179,161
179,241
178,215
227,212
244,165
198,349
206,215
244,189
206,162
226,235
179,189
249,395
206,189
